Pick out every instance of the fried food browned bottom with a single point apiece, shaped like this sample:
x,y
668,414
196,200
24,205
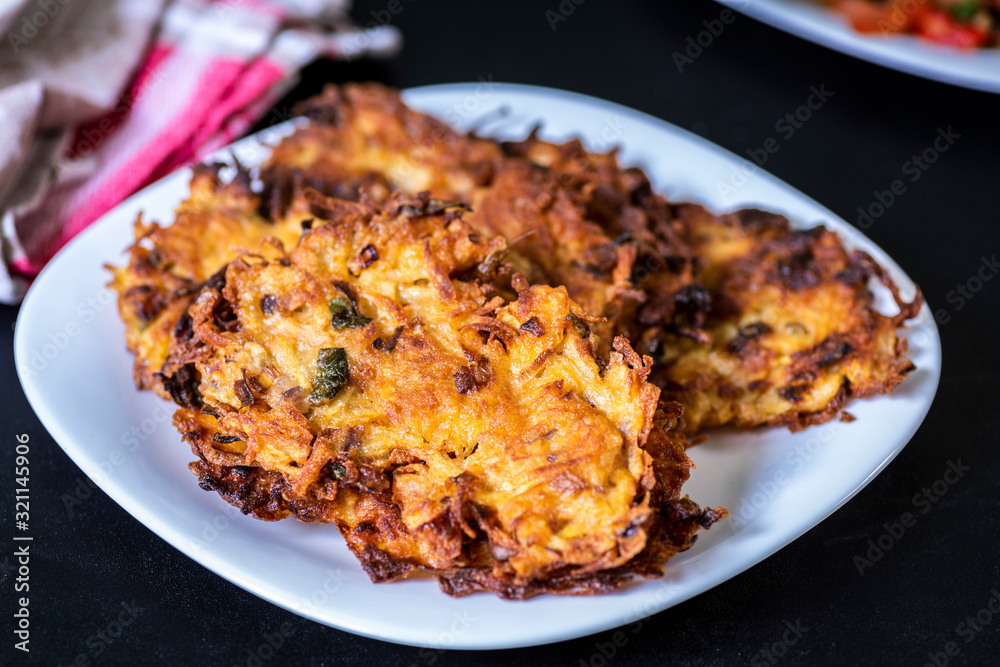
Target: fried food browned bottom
x,y
372,377
685,286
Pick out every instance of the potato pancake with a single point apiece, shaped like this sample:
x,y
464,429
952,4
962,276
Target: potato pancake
x,y
167,265
422,336
373,378
793,328
570,217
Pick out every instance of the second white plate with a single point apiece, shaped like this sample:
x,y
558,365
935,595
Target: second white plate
x,y
978,69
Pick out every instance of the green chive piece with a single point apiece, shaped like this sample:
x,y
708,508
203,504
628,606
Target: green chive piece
x,y
343,315
332,373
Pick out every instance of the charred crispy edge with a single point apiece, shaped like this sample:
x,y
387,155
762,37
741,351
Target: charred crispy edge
x,y
907,310
681,520
860,266
252,490
259,493
799,421
380,566
240,186
264,494
674,530
209,172
466,581
182,386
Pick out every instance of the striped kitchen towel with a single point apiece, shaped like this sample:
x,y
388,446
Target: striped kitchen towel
x,y
103,97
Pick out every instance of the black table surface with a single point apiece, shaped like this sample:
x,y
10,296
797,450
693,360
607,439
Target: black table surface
x,y
915,604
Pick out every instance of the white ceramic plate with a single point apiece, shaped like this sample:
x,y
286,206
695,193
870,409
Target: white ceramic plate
x,y
978,69
76,373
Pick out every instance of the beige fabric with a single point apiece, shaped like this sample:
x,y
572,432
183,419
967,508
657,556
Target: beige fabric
x,y
83,52
19,109
65,63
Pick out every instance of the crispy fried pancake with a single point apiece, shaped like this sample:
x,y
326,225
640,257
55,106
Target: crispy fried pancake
x,y
167,265
390,376
655,271
373,379
570,217
794,332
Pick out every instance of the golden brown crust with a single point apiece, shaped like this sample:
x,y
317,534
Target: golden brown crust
x,y
794,331
167,265
466,372
570,217
473,437
652,270
670,530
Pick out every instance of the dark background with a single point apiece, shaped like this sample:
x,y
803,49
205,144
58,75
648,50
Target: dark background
x,y
907,605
